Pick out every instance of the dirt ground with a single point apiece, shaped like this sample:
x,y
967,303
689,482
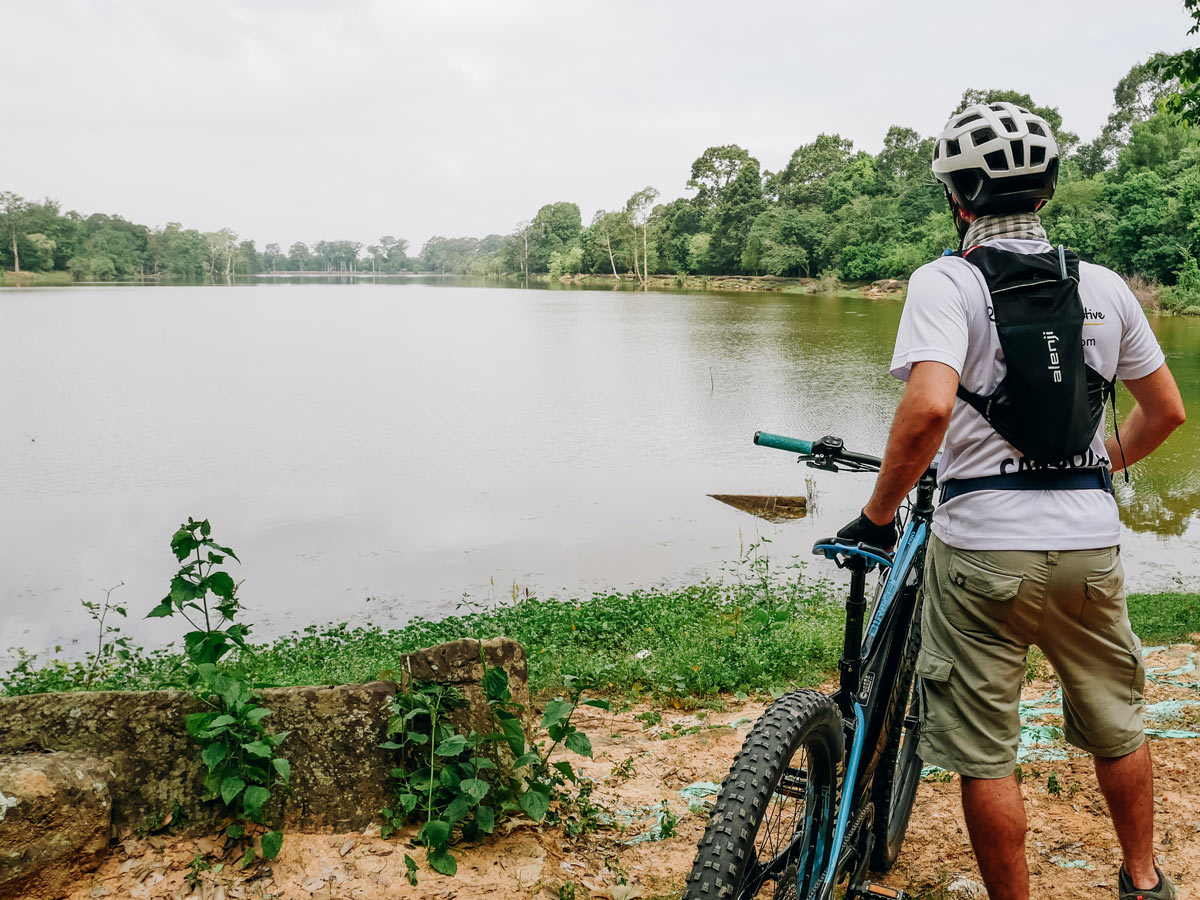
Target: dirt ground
x,y
640,770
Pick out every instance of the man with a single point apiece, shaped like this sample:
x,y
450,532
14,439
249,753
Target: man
x,y
1024,551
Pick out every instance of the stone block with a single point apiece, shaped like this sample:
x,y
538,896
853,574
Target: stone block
x,y
55,820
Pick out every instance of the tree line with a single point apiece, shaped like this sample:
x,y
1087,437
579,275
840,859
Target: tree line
x,y
1127,199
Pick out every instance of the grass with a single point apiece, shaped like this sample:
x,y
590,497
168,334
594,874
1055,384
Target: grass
x,y
21,279
760,630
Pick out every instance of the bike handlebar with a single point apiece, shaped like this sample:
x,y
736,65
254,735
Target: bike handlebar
x,y
822,454
779,442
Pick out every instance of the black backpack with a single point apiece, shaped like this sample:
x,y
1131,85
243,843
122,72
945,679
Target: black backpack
x,y
1050,402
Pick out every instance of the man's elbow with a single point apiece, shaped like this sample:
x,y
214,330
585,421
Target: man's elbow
x,y
1175,416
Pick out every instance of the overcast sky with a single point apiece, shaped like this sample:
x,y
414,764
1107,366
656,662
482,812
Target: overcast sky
x,y
352,119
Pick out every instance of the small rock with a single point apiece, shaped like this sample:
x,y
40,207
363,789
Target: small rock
x,y
313,884
347,847
156,842
966,887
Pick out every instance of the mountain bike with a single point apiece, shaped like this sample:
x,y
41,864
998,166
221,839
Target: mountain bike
x,y
823,786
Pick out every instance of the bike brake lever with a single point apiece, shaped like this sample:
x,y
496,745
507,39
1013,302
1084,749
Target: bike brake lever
x,y
823,463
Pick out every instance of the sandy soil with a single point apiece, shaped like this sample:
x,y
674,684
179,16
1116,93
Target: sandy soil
x,y
1072,850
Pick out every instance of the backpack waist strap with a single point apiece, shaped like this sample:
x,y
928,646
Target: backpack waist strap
x,y
1032,480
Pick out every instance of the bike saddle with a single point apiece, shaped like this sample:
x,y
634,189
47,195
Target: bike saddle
x,y
844,553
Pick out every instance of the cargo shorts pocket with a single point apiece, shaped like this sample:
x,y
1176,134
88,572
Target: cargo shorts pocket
x,y
976,595
1104,601
938,711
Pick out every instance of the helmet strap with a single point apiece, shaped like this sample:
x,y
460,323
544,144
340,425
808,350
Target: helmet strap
x,y
961,224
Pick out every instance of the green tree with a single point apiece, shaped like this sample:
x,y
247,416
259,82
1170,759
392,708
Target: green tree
x,y
13,212
1184,68
740,202
804,180
555,229
638,209
714,171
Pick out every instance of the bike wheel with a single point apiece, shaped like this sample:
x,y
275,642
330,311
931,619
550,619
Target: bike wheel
x,y
894,787
772,825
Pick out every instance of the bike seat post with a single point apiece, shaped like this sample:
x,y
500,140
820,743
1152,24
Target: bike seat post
x,y
850,665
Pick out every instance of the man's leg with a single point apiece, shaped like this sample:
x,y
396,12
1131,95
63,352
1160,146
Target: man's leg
x,y
995,813
1127,783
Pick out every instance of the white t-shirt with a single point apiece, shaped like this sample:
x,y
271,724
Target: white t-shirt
x,y
947,319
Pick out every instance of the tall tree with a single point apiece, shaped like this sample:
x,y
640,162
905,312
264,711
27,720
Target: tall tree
x,y
13,211
638,209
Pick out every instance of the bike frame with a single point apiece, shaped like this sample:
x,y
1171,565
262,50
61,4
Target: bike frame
x,y
869,663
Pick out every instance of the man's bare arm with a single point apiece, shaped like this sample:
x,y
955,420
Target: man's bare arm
x,y
1158,412
916,434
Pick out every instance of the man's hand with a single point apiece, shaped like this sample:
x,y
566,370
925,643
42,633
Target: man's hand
x,y
863,531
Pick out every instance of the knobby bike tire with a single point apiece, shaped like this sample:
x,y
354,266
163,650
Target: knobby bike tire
x,y
727,863
894,786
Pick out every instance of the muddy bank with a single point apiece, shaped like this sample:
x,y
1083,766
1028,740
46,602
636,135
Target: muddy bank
x,y
648,829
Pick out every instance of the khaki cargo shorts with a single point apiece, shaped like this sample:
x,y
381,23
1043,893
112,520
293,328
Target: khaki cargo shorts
x,y
982,611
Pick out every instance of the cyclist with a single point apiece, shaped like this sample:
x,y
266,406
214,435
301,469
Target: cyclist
x,y
1024,552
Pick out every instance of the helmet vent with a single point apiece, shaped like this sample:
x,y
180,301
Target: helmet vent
x,y
997,107
1009,124
952,148
996,161
966,120
1037,155
1035,128
982,136
1018,152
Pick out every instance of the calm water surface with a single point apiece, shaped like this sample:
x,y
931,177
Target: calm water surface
x,y
375,452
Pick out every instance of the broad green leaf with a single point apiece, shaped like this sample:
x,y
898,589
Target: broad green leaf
x,y
205,528
272,841
566,769
485,818
599,704
579,742
526,759
221,721
481,763
277,738
457,811
230,788
495,685
441,861
253,800
258,714
452,746
536,804
258,748
182,544
435,833
212,755
247,858
183,591
164,608
408,802
514,734
415,737
284,768
235,830
475,788
221,584
556,711
197,723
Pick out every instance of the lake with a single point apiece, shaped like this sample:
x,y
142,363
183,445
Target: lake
x,y
379,451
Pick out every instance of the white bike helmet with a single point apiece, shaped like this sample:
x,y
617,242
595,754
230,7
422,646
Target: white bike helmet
x,y
996,158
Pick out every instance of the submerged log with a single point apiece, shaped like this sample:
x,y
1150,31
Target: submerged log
x,y
770,507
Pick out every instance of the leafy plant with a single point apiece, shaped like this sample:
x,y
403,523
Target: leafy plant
x,y
1053,787
451,783
236,748
438,780
110,644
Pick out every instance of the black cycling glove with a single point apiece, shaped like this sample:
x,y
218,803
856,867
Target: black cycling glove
x,y
863,531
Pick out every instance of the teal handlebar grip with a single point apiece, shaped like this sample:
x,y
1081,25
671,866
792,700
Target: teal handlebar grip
x,y
779,442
